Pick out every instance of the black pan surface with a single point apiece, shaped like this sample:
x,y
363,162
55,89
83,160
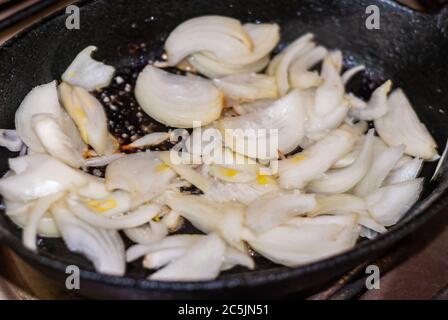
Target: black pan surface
x,y
409,48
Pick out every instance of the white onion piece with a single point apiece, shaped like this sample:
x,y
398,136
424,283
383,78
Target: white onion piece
x,y
406,169
273,209
296,48
401,125
342,180
356,102
440,163
243,193
307,60
297,171
234,257
150,140
88,73
37,211
42,99
350,73
178,101
305,240
172,220
382,165
159,259
337,59
90,118
10,140
95,188
147,234
141,174
110,205
135,218
377,105
208,216
46,227
287,115
37,176
255,106
187,173
201,262
388,204
247,86
223,36
103,160
329,95
104,248
55,141
305,79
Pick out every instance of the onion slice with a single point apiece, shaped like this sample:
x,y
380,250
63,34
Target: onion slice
x,y
147,234
10,140
377,105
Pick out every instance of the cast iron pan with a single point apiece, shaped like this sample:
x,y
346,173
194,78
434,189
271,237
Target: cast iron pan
x,y
409,48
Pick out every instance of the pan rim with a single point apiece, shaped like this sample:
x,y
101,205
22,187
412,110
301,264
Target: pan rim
x,y
421,213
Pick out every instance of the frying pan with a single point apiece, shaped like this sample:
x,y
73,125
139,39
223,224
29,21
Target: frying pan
x,y
409,48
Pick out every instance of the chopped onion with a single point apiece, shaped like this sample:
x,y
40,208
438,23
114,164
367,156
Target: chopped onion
x,y
305,240
172,220
306,60
178,101
401,125
147,234
10,140
150,140
255,106
88,73
342,180
382,165
104,248
388,204
377,105
297,171
273,209
406,169
37,176
103,160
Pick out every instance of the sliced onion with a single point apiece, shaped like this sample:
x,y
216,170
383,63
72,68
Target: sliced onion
x,y
287,115
255,106
235,257
342,180
310,164
209,216
159,259
42,99
377,105
90,118
406,169
247,86
88,73
273,209
350,73
201,262
103,160
178,101
114,203
307,60
55,141
401,125
46,227
382,165
150,140
337,59
172,220
37,176
329,95
143,175
147,234
388,204
305,79
223,36
305,240
104,248
10,140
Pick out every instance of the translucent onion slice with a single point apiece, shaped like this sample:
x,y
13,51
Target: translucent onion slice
x,y
305,79
37,176
42,99
247,86
90,118
273,209
307,60
377,105
178,101
342,180
55,141
306,240
297,171
401,125
406,169
382,165
223,36
350,73
88,73
258,105
201,262
114,203
150,140
286,115
147,234
10,140
135,218
46,227
143,175
103,160
172,220
388,205
104,248
208,216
